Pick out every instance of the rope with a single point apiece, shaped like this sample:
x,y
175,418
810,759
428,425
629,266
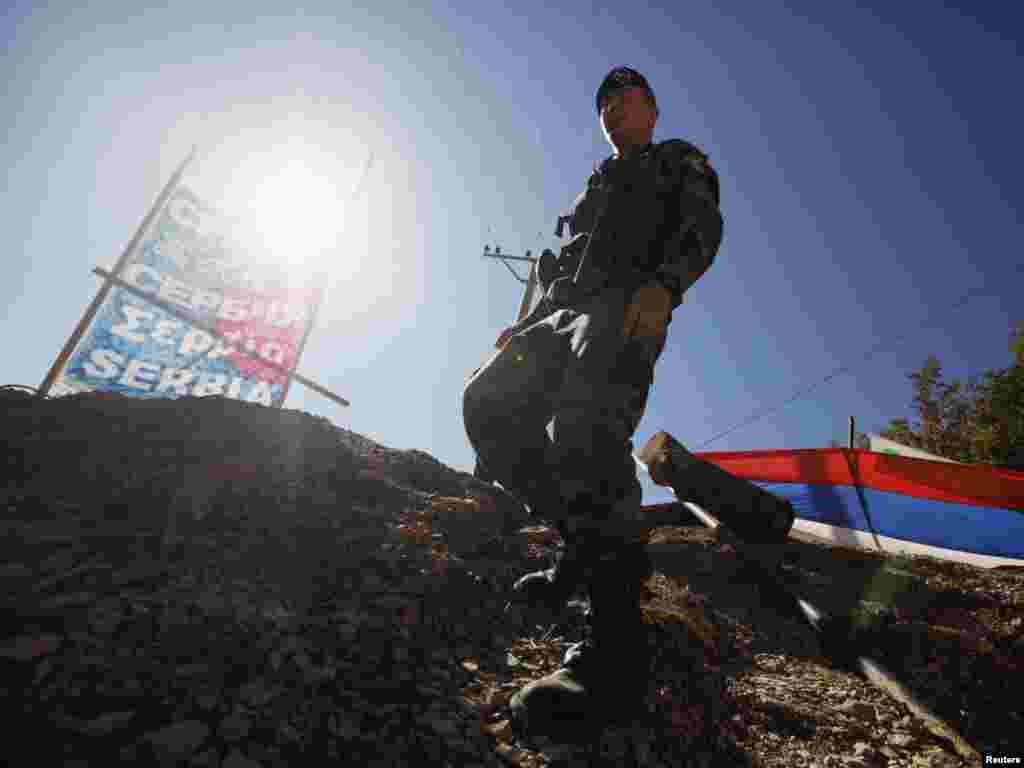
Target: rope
x,y
809,388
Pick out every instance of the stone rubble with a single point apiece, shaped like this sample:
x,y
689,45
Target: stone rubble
x,y
204,582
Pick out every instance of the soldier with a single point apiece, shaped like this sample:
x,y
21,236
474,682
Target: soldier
x,y
646,227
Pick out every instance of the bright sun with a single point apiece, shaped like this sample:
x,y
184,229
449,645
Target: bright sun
x,y
298,213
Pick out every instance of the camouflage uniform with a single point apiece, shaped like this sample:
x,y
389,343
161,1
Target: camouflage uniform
x,y
650,217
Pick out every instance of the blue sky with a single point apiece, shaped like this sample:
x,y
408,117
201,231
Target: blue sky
x,y
869,163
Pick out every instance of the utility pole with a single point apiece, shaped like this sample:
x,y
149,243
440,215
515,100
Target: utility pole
x,y
530,282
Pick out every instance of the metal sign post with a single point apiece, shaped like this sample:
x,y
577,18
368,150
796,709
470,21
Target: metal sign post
x,y
104,291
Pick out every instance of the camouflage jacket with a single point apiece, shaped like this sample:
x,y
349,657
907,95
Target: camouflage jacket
x,y
653,216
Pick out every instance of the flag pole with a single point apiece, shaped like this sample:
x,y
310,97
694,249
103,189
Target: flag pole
x,y
104,291
322,281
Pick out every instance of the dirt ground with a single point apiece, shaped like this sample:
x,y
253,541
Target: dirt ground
x,y
208,583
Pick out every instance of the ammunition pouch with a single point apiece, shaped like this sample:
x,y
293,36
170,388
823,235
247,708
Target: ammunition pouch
x,y
547,269
561,292
553,269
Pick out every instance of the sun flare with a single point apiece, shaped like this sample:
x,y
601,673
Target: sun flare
x,y
297,213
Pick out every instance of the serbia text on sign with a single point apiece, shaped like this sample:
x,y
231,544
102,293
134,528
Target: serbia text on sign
x,y
208,304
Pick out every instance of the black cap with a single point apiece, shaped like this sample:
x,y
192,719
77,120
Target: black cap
x,y
620,77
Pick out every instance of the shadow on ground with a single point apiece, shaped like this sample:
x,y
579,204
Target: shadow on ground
x,y
205,582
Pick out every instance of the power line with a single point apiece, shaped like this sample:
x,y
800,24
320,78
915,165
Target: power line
x,y
806,390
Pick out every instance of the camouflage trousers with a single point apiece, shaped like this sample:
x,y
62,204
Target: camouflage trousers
x,y
573,368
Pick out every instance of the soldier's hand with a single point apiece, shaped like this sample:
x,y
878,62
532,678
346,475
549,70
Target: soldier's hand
x,y
648,312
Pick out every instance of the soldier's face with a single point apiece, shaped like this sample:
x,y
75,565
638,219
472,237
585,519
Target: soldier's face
x,y
628,117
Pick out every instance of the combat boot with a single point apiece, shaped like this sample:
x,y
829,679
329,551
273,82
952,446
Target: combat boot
x,y
604,678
